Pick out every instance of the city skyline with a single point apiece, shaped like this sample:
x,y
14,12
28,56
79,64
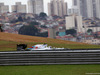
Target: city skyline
x,y
35,6
91,7
25,2
57,7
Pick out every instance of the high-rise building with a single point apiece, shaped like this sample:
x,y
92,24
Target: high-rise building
x,y
35,6
73,10
82,6
49,9
19,8
88,8
4,8
1,4
57,7
70,22
74,22
74,2
98,8
52,33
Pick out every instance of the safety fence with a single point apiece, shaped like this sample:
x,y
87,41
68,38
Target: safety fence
x,y
50,57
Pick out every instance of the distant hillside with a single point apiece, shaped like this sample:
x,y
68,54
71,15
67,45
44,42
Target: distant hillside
x,y
8,39
24,38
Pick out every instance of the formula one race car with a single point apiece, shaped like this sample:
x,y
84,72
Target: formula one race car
x,y
40,47
22,47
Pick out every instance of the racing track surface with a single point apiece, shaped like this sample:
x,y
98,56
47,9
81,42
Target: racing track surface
x,y
50,57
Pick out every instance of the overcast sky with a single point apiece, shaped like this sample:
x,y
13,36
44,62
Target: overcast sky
x,y
12,2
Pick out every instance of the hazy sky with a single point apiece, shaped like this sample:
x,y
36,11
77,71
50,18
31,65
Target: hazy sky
x,y
11,2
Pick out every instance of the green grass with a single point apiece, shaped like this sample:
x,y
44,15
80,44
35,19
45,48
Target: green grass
x,y
11,40
7,46
74,46
11,46
49,70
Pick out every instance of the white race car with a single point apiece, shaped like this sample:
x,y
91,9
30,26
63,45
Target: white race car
x,y
42,47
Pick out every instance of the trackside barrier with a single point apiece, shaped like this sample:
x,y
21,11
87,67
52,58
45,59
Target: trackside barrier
x,y
50,57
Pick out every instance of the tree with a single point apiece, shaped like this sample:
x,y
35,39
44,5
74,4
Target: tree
x,y
29,30
20,19
1,28
34,23
45,34
71,31
55,16
89,31
43,15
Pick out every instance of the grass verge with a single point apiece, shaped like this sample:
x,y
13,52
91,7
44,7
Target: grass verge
x,y
50,70
11,46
